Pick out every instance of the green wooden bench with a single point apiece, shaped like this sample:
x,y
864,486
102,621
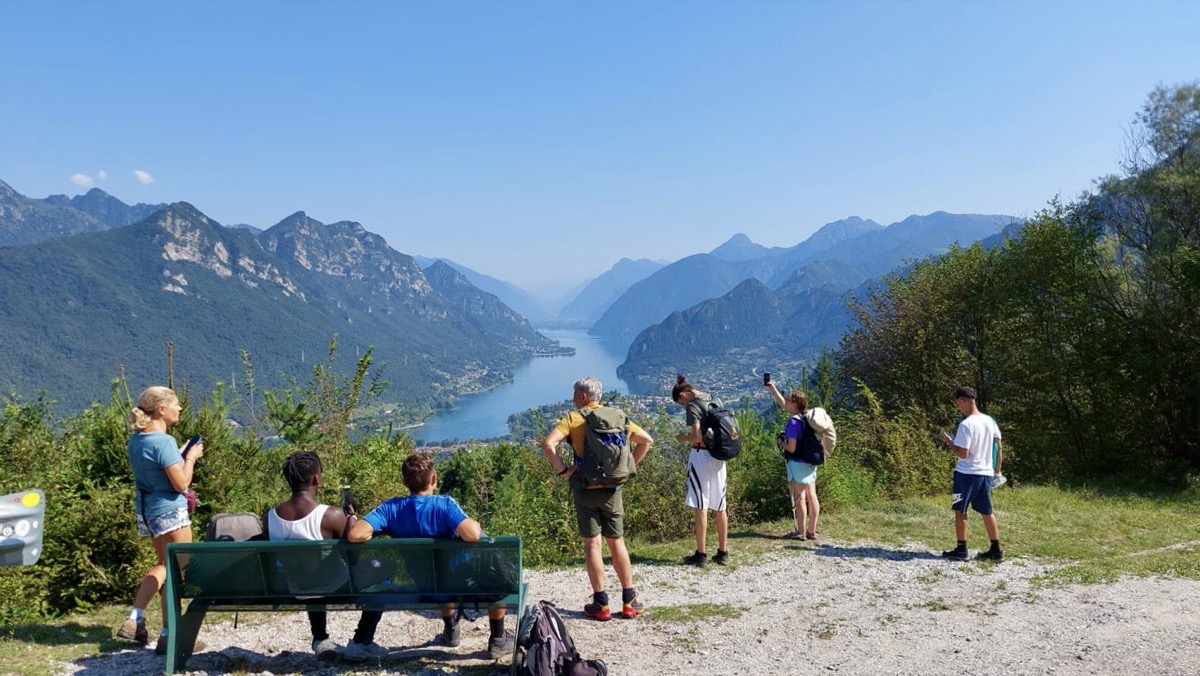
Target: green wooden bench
x,y
383,574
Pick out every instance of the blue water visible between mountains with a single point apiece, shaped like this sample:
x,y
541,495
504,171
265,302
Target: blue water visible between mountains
x,y
539,381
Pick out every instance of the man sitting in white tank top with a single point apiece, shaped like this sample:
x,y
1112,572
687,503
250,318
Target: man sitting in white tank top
x,y
302,518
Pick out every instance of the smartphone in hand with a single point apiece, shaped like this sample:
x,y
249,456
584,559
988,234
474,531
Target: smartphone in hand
x,y
946,437
187,446
766,378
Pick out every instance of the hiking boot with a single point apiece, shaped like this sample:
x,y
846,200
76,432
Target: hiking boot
x,y
326,650
597,612
452,636
698,559
993,554
500,646
631,609
135,631
361,652
160,648
955,555
721,558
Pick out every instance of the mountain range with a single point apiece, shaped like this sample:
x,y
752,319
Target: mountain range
x,y
91,297
781,309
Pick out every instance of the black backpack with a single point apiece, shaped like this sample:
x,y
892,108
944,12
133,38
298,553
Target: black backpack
x,y
549,650
808,446
606,458
719,427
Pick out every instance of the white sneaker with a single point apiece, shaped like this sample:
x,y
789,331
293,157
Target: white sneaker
x,y
998,480
326,649
361,652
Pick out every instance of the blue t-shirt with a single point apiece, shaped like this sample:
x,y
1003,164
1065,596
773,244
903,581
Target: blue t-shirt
x,y
150,453
417,516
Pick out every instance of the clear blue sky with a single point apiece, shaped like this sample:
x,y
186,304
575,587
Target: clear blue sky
x,y
541,141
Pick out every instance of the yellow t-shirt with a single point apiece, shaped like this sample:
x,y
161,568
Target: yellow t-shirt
x,y
571,427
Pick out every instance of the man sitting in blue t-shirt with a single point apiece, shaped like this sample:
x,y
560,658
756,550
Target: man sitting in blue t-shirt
x,y
425,515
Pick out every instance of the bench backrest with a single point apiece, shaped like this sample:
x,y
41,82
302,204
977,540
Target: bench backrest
x,y
267,571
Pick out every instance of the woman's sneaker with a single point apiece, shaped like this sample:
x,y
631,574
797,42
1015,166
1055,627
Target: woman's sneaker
x,y
361,652
134,630
160,648
326,650
597,612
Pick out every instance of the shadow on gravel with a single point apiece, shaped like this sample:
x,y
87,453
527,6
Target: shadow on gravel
x,y
71,633
870,553
238,660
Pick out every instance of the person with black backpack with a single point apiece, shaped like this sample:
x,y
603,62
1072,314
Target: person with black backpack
x,y
803,453
606,449
706,476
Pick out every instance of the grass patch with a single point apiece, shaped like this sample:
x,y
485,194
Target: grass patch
x,y
695,612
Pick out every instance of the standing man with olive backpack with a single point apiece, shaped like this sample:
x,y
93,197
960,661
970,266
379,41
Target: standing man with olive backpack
x,y
606,449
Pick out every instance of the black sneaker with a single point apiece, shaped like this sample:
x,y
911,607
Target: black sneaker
x,y
990,555
501,646
698,559
721,558
452,636
955,555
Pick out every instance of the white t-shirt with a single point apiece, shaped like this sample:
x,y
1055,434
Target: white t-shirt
x,y
975,433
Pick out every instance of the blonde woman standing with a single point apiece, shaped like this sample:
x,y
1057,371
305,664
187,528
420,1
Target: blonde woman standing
x,y
161,475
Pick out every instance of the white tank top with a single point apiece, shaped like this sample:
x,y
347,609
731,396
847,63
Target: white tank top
x,y
309,574
306,528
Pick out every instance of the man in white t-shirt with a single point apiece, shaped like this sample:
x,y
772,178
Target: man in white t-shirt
x,y
972,443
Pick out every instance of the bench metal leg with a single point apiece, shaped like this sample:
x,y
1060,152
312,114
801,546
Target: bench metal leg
x,y
181,636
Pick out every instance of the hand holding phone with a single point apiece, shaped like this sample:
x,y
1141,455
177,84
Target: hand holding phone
x,y
766,378
946,437
189,445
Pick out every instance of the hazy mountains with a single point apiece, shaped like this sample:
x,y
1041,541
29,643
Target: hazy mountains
x,y
73,309
781,309
842,254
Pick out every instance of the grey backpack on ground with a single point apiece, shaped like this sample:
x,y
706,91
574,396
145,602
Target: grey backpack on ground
x,y
237,527
549,650
607,459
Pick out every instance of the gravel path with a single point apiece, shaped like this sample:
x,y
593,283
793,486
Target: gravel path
x,y
801,608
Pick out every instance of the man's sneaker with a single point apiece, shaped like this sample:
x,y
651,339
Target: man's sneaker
x,y
501,645
631,609
135,631
452,636
160,648
326,650
721,557
597,612
361,652
955,555
698,559
990,555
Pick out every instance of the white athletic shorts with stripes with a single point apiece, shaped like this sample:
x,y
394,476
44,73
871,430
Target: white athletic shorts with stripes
x,y
705,481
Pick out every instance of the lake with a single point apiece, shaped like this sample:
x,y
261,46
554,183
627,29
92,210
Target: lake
x,y
541,380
